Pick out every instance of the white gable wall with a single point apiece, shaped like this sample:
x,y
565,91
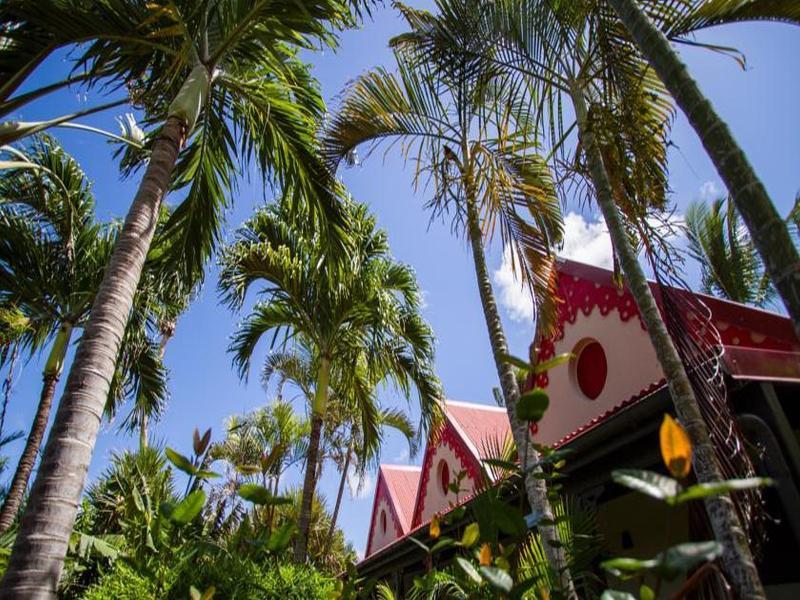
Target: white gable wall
x,y
382,538
435,500
632,367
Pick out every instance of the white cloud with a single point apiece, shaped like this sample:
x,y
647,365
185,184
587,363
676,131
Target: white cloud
x,y
361,486
709,191
584,241
513,296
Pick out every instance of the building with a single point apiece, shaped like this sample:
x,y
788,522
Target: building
x,y
606,406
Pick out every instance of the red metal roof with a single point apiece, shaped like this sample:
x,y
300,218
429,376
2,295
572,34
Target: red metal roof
x,y
484,427
402,482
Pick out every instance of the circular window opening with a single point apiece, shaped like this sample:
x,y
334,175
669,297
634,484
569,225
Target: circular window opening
x,y
444,476
383,521
589,368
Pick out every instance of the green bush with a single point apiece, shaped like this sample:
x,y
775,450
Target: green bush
x,y
244,579
122,583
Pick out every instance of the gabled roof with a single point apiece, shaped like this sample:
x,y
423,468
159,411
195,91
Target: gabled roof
x,y
402,482
481,426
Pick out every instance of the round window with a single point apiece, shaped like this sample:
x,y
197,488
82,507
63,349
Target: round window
x,y
444,476
590,368
383,521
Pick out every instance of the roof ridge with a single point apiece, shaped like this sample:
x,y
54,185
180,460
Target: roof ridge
x,y
475,405
401,467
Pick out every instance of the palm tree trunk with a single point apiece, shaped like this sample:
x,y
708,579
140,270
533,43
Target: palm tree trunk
x,y
41,544
768,231
51,374
535,488
339,494
166,335
312,458
737,559
307,500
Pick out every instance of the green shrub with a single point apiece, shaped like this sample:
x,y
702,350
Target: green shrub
x,y
122,583
244,579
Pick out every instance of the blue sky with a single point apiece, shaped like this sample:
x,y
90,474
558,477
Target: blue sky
x,y
760,105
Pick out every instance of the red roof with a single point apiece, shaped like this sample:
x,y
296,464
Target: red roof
x,y
483,427
402,482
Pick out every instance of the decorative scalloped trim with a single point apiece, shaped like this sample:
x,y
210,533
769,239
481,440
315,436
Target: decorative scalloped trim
x,y
449,437
382,493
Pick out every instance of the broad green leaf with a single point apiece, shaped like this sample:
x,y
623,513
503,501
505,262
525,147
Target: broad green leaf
x,y
279,540
509,519
137,500
207,474
248,469
553,362
260,495
443,543
704,490
471,535
532,405
616,595
180,461
469,569
188,508
498,578
647,482
517,362
625,567
681,558
646,592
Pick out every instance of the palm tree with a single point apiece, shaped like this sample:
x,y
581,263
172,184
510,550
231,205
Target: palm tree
x,y
729,264
362,309
768,231
556,53
350,448
52,257
476,147
224,76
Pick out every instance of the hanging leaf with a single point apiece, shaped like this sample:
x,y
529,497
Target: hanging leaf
x,y
553,362
532,405
517,362
652,484
471,535
704,490
260,495
180,461
188,508
498,578
470,571
676,449
248,469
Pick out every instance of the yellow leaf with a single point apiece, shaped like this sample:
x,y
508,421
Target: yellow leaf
x,y
676,449
485,556
435,531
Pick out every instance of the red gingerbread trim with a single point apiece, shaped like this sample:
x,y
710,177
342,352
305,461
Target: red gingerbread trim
x,y
382,493
448,436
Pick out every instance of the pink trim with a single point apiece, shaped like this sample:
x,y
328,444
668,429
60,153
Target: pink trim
x,y
449,437
382,493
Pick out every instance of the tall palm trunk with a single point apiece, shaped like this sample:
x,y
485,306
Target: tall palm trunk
x,y
339,494
736,558
535,488
312,460
50,376
41,544
166,335
768,231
